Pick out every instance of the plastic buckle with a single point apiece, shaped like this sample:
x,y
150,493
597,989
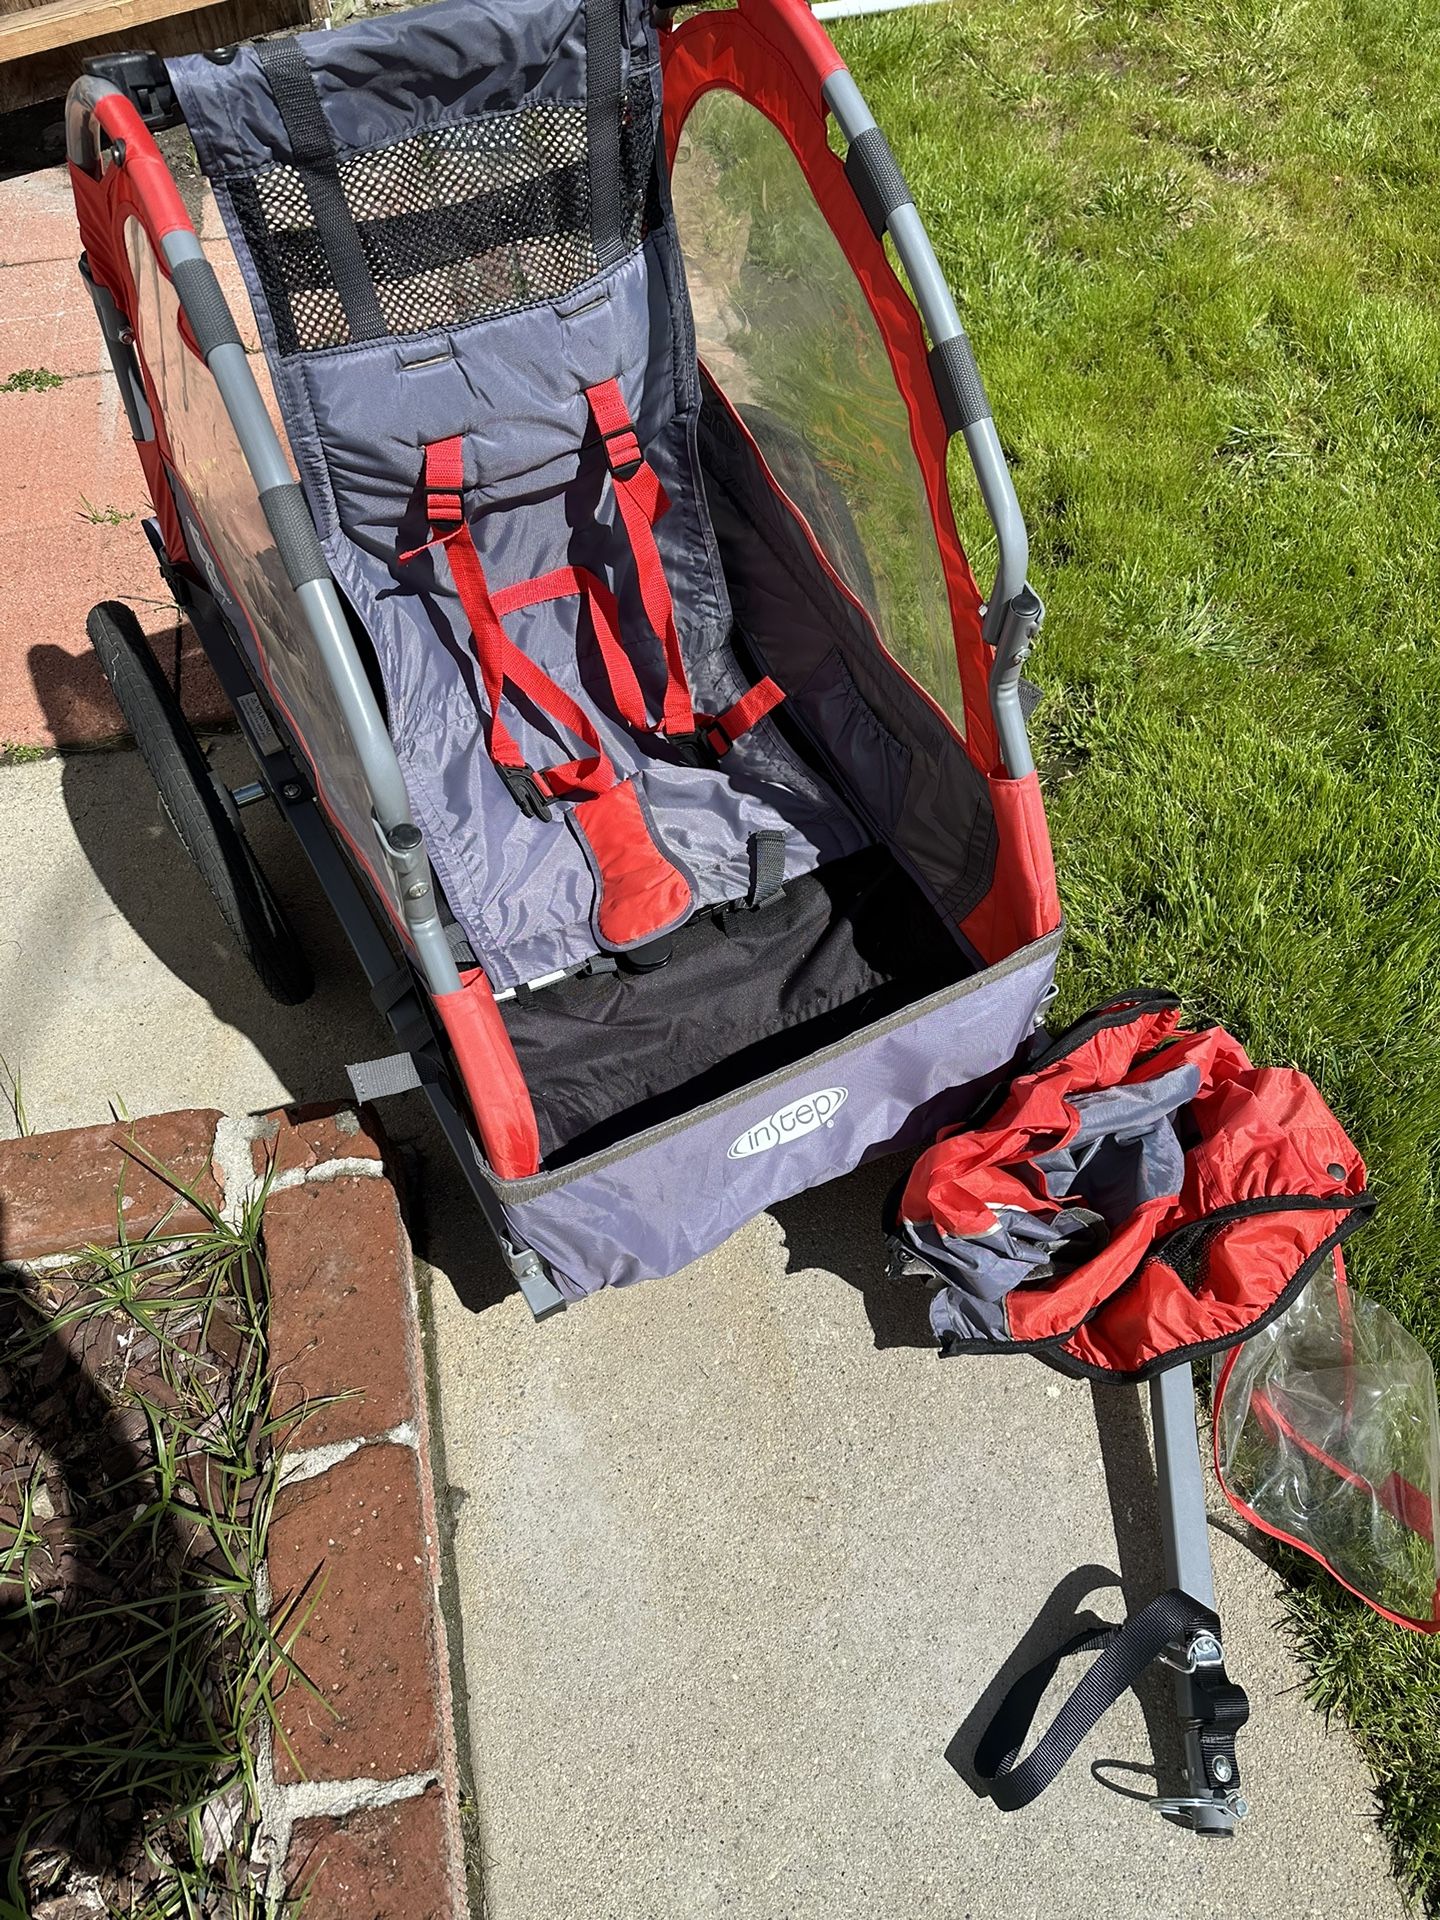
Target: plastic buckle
x,y
703,747
625,465
526,791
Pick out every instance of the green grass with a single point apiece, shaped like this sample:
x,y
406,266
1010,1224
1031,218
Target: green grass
x,y
1198,251
138,1687
97,516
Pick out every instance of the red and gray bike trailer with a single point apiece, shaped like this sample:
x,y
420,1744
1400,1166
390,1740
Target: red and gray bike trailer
x,y
587,588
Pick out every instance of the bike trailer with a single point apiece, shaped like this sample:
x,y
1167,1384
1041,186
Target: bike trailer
x,y
616,641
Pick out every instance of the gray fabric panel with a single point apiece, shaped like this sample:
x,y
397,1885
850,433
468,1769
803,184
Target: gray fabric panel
x,y
358,417
521,890
934,809
380,79
650,1208
1125,1150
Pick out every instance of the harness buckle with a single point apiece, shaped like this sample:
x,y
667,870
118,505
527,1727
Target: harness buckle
x,y
704,747
526,791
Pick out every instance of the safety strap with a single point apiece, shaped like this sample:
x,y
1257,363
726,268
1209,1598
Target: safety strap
x,y
767,867
640,891
1125,1652
501,661
642,500
313,151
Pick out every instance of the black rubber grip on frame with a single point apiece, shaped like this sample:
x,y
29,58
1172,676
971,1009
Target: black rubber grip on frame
x,y
958,385
287,515
875,177
205,306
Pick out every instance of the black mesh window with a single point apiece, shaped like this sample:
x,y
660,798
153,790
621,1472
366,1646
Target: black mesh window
x,y
456,223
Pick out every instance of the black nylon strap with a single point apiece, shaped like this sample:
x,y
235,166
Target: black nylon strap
x,y
603,23
1124,1654
313,152
767,867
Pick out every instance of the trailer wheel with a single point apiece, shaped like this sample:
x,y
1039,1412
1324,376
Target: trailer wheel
x,y
198,805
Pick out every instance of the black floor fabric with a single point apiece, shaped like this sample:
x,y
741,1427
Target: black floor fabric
x,y
744,993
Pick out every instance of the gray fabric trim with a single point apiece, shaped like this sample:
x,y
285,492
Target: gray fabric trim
x,y
516,1192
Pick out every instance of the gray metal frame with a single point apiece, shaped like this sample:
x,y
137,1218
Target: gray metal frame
x,y
1014,611
1185,1544
399,842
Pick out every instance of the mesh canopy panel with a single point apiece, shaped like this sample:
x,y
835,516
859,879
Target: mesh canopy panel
x,y
456,223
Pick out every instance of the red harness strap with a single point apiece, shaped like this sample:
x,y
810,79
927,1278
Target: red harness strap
x,y
500,660
639,892
642,501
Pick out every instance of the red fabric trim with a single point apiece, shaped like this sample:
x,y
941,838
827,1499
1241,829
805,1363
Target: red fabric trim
x,y
493,1082
1023,902
640,893
136,191
765,52
1401,1498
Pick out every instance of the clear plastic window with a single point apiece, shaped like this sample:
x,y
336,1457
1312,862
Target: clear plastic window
x,y
785,331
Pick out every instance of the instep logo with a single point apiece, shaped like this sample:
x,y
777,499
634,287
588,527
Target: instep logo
x,y
789,1123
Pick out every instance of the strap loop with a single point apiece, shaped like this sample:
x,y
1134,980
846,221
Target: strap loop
x,y
1124,1652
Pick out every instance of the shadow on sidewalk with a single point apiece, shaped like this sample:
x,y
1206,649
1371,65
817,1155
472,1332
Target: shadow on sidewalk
x,y
117,819
115,813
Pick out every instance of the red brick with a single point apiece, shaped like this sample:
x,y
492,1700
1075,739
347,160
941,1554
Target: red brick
x,y
47,319
369,1644
306,1136
55,564
37,218
383,1863
58,1190
341,1307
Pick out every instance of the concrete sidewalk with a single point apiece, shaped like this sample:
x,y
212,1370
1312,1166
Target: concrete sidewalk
x,y
736,1559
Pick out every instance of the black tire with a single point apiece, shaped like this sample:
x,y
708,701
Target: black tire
x,y
198,805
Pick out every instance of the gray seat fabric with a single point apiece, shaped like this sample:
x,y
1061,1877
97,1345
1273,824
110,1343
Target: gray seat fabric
x,y
432,139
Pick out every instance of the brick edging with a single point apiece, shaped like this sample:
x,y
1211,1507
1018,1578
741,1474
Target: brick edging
x,y
360,1799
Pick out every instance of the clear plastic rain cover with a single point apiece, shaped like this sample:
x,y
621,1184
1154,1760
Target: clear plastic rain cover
x,y
1327,1436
